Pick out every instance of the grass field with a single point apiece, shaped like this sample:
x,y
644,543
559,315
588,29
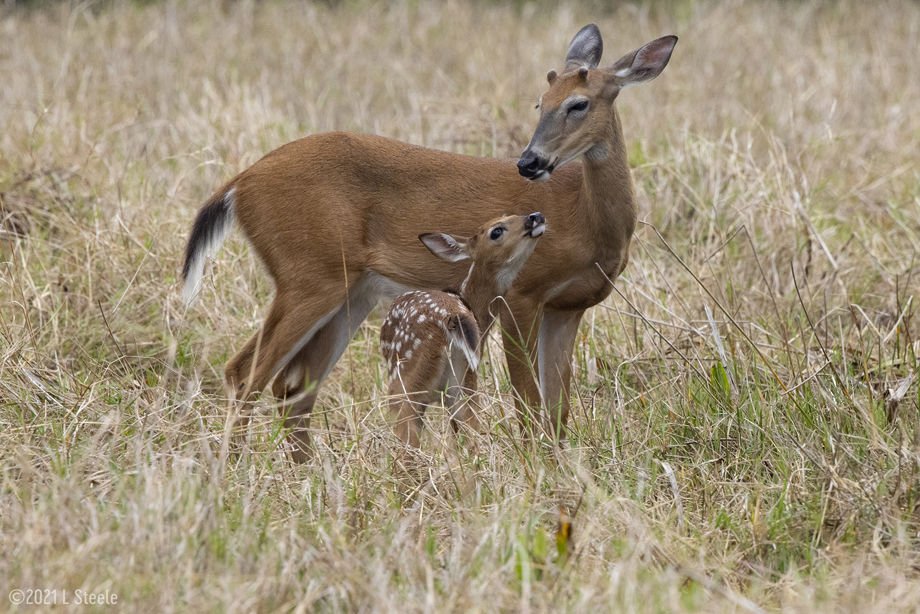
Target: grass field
x,y
746,434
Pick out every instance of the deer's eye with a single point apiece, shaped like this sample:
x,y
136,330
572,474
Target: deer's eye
x,y
578,106
496,233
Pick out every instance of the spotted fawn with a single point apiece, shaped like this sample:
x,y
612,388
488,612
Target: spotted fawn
x,y
431,340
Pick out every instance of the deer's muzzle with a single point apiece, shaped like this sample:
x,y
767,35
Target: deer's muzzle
x,y
534,166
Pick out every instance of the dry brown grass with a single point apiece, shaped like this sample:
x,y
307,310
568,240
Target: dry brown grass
x,y
777,158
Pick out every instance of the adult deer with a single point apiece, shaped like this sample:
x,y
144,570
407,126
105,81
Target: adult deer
x,y
431,340
335,217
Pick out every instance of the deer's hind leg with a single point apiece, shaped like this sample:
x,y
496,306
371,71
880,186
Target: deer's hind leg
x,y
292,320
238,370
312,365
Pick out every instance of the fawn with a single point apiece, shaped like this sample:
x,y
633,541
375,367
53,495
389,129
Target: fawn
x,y
431,340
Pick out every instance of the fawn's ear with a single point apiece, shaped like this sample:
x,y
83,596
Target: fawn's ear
x,y
645,63
445,246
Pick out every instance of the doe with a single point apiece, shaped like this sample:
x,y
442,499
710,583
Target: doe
x,y
431,340
335,219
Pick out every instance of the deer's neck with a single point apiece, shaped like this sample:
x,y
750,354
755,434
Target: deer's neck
x,y
607,191
479,289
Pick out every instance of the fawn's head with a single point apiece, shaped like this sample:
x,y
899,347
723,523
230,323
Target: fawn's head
x,y
576,112
498,248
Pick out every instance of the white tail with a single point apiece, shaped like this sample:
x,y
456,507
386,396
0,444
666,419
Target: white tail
x,y
431,340
211,227
334,217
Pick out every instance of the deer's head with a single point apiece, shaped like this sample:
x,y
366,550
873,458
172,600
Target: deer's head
x,y
576,112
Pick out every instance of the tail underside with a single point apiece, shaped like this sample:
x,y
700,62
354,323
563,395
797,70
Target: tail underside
x,y
465,334
211,226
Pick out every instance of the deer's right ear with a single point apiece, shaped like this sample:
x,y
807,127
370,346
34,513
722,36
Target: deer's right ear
x,y
445,246
645,63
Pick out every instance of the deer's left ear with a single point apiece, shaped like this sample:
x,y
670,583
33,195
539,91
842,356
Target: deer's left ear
x,y
445,246
643,64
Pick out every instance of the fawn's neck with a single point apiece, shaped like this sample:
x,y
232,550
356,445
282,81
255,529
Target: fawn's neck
x,y
479,290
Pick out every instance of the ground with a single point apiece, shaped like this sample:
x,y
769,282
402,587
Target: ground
x,y
745,429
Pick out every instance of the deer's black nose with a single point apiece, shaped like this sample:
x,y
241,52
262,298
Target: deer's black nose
x,y
529,165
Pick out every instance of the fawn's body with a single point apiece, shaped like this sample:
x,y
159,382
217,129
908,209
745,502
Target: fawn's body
x,y
431,340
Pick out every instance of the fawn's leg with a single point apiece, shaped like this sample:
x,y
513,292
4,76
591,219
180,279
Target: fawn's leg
x,y
412,389
463,398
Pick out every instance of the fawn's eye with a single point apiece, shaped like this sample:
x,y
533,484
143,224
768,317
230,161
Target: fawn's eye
x,y
578,106
496,233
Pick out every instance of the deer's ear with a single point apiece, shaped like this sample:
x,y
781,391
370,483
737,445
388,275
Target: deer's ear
x,y
585,49
645,63
445,246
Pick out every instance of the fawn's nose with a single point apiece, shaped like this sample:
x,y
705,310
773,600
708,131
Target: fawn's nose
x,y
534,219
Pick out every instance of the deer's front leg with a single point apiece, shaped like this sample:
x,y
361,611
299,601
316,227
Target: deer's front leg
x,y
520,323
558,330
